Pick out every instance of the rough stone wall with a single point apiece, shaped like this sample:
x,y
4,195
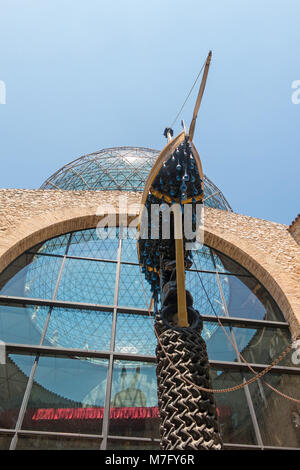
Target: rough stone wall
x,y
294,229
268,250
30,216
24,203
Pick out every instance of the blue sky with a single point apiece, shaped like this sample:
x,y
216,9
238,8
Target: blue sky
x,y
84,75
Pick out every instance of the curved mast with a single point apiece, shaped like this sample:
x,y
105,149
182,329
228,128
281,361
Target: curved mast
x,y
199,97
179,248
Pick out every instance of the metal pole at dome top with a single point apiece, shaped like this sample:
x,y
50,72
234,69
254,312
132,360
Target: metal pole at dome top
x,y
188,417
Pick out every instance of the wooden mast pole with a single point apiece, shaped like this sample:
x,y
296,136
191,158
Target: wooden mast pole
x,y
179,247
180,273
199,97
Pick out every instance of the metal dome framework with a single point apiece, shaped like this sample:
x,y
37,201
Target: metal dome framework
x,y
119,169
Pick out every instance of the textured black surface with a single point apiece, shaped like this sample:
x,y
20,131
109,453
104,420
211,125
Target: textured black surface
x,y
178,182
188,416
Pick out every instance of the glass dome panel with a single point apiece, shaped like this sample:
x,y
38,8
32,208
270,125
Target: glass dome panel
x,y
121,169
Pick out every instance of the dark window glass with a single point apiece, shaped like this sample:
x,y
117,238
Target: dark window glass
x,y
218,345
263,345
31,276
22,323
129,247
13,380
234,415
79,329
247,298
278,418
131,292
55,246
131,445
134,409
95,243
68,395
87,281
259,345
223,264
5,440
41,442
203,259
135,334
206,294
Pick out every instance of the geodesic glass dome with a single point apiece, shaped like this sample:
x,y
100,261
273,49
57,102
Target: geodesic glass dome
x,y
119,168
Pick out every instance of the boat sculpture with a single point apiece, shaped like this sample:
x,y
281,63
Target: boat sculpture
x,y
172,205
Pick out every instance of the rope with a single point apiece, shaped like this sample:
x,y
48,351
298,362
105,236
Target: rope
x,y
240,354
210,390
188,95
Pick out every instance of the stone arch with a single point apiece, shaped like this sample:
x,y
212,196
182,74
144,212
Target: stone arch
x,y
281,284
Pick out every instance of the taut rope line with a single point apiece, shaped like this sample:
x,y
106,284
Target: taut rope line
x,y
178,114
224,390
240,354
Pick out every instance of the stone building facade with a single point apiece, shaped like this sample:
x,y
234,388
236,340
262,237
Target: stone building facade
x,y
44,318
266,249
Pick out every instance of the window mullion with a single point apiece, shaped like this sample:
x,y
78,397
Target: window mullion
x,y
246,388
34,367
105,424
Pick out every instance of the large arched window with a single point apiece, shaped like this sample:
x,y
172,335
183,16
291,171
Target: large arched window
x,y
80,349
